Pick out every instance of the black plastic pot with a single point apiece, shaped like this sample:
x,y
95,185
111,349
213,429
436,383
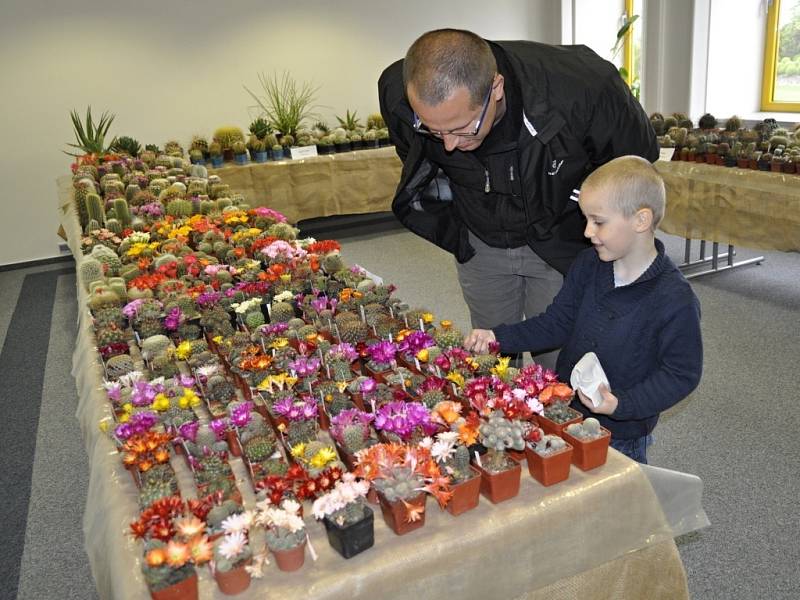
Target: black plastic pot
x,y
353,539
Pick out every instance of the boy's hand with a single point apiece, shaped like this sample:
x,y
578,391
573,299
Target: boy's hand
x,y
478,341
607,406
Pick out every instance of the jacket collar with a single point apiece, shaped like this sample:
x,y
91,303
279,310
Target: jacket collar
x,y
632,293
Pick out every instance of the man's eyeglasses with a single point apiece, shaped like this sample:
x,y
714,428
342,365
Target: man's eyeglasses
x,y
419,127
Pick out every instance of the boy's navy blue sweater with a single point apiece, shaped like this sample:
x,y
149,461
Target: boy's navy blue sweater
x,y
646,336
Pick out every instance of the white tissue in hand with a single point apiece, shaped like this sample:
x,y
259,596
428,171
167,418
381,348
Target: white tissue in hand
x,y
587,376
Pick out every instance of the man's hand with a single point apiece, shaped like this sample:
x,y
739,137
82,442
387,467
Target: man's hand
x,y
478,341
607,406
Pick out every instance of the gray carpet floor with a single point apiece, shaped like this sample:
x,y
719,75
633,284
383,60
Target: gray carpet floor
x,y
738,431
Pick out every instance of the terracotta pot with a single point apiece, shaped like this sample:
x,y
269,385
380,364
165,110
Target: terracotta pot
x,y
396,514
291,559
743,163
183,590
352,539
501,486
553,428
348,459
517,456
234,581
552,469
372,496
776,167
789,167
323,419
358,400
233,442
589,454
379,376
465,494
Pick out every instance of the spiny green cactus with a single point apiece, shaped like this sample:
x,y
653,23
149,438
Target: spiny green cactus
x,y
94,208
119,365
155,345
432,397
110,335
354,437
259,448
254,319
301,432
122,211
220,390
448,337
149,328
353,332
155,491
90,270
179,208
281,312
163,366
458,465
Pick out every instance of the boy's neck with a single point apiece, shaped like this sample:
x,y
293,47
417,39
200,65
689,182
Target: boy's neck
x,y
629,268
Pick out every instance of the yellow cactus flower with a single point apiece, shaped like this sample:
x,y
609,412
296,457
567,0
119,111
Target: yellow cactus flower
x,y
427,318
183,402
161,403
423,355
184,350
124,417
322,458
501,368
456,378
279,343
298,450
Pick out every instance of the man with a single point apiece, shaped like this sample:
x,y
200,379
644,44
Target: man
x,y
495,139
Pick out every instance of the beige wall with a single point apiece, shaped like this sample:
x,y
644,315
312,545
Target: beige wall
x,y
169,69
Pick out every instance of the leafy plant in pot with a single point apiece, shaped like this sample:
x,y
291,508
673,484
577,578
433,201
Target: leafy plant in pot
x,y
347,519
500,474
403,476
590,442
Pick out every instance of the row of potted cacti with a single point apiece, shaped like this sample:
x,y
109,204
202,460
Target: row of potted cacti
x,y
223,335
766,147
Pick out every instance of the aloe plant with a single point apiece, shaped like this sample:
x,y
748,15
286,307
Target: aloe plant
x,y
350,121
91,136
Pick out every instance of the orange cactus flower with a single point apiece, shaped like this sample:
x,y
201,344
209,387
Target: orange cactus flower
x,y
201,549
156,557
177,554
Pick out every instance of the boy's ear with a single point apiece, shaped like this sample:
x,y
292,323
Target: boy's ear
x,y
643,220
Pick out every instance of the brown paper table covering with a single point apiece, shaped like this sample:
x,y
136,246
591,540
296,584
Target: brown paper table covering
x,y
600,534
362,181
754,209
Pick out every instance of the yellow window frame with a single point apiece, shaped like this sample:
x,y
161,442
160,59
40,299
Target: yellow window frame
x,y
627,52
771,65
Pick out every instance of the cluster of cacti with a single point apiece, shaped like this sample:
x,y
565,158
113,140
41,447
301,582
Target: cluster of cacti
x,y
589,429
403,484
227,136
549,444
499,434
559,412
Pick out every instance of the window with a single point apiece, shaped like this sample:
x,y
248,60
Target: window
x,y
780,89
629,41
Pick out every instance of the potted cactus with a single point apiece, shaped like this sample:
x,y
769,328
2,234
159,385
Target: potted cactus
x,y
403,476
239,153
350,429
348,521
215,152
226,137
232,555
557,412
590,442
454,461
286,532
381,360
500,474
549,458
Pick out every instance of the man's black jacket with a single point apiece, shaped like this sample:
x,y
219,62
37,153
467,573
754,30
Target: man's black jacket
x,y
577,114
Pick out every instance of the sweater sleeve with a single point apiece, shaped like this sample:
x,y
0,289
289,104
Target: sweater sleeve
x,y
553,327
680,358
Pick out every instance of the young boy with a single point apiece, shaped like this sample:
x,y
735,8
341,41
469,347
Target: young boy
x,y
624,300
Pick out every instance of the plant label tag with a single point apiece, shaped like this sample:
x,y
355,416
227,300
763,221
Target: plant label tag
x,y
478,459
297,152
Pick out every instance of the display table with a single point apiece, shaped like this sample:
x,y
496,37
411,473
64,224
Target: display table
x,y
755,209
362,181
600,534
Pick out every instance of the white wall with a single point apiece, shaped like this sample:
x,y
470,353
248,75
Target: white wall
x,y
176,68
735,57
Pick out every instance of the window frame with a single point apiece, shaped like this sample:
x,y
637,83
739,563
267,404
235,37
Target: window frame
x,y
769,72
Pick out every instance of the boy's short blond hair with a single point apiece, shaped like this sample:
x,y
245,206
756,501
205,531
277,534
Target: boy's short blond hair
x,y
632,183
